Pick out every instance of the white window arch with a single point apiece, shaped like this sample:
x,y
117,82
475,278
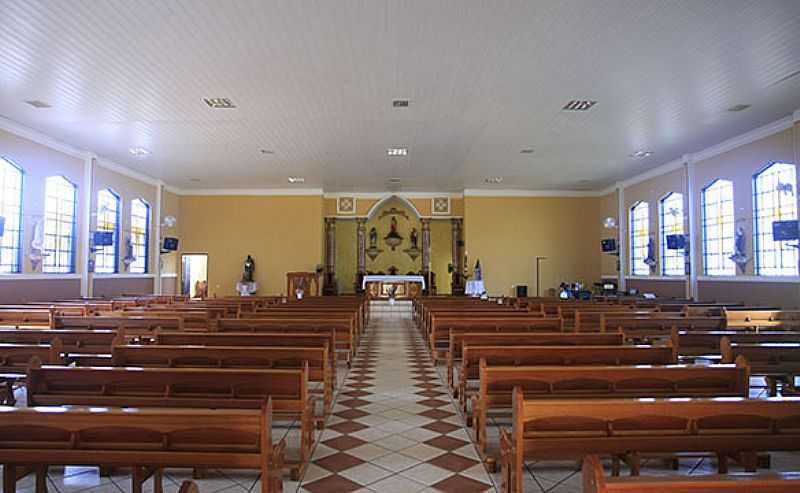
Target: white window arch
x,y
11,213
140,235
60,212
672,260
774,199
718,228
640,237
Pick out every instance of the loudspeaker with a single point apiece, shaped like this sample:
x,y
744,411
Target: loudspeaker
x,y
522,291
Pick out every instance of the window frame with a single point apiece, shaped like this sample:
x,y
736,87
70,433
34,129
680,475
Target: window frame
x,y
779,250
644,269
15,244
669,257
115,245
724,257
56,252
145,244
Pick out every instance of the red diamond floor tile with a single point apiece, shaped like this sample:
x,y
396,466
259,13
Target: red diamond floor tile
x,y
461,484
332,484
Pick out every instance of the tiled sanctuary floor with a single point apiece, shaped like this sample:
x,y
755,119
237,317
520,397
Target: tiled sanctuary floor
x,y
394,429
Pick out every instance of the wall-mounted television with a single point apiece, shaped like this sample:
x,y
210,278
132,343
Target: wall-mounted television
x,y
785,230
608,245
103,238
676,242
170,244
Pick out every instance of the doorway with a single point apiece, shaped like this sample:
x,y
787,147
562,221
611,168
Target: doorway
x,y
194,275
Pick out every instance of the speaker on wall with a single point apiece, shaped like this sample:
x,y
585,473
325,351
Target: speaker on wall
x,y
522,291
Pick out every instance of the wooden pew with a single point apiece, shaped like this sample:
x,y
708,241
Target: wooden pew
x,y
776,361
147,440
763,319
344,330
211,388
595,481
481,313
460,337
132,326
590,320
28,317
322,339
73,341
556,356
655,327
315,359
599,382
439,336
707,343
625,428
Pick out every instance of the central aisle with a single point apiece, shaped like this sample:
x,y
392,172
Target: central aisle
x,y
394,428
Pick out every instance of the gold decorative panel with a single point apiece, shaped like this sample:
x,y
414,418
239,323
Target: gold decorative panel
x,y
346,205
440,206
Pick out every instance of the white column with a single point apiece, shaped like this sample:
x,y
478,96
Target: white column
x,y
622,242
157,231
86,226
694,228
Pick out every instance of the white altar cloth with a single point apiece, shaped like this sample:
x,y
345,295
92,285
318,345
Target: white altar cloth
x,y
373,278
474,288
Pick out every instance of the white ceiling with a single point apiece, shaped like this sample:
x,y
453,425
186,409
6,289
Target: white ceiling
x,y
314,81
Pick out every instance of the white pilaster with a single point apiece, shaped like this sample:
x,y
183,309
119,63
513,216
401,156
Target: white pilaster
x,y
157,250
694,228
86,225
622,242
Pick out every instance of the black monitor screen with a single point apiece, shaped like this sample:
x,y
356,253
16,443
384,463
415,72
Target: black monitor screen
x,y
170,244
609,245
676,242
784,230
103,238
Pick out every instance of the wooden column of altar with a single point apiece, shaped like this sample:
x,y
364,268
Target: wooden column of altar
x,y
458,257
329,287
426,253
361,253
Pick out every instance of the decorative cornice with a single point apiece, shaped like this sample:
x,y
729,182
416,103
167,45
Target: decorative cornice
x,y
23,131
381,195
37,276
126,171
483,192
250,191
765,279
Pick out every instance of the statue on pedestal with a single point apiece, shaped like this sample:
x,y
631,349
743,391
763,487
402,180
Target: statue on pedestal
x,y
247,285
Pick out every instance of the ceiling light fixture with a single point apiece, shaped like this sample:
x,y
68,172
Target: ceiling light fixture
x,y
296,179
38,104
527,150
267,151
219,103
494,180
400,103
394,180
641,154
138,151
738,107
397,151
579,105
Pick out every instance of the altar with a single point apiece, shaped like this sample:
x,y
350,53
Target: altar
x,y
393,286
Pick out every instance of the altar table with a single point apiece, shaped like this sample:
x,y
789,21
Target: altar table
x,y
378,286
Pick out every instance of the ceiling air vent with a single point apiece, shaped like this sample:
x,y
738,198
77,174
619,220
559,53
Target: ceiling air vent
x,y
219,103
738,107
39,104
579,105
400,103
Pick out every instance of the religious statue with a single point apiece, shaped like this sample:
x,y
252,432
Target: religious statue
x,y
739,256
393,239
373,238
413,237
650,259
478,271
249,269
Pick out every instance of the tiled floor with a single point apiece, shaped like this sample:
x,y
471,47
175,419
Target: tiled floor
x,y
394,429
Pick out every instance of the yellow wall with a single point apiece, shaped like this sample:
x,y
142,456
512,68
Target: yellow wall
x,y
507,234
607,207
346,255
282,233
39,162
441,253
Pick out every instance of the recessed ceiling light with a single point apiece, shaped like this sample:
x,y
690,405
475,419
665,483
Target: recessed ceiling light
x,y
138,151
641,154
296,179
579,105
219,103
195,180
397,151
39,104
526,150
738,107
267,151
494,180
400,103
393,180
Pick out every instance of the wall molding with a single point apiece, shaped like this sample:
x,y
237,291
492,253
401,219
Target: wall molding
x,y
757,279
656,278
124,276
248,191
126,171
37,276
33,135
485,192
169,275
380,195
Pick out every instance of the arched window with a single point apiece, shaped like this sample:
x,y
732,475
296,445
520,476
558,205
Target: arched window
x,y
11,216
105,260
59,225
774,199
640,236
140,235
672,260
718,234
